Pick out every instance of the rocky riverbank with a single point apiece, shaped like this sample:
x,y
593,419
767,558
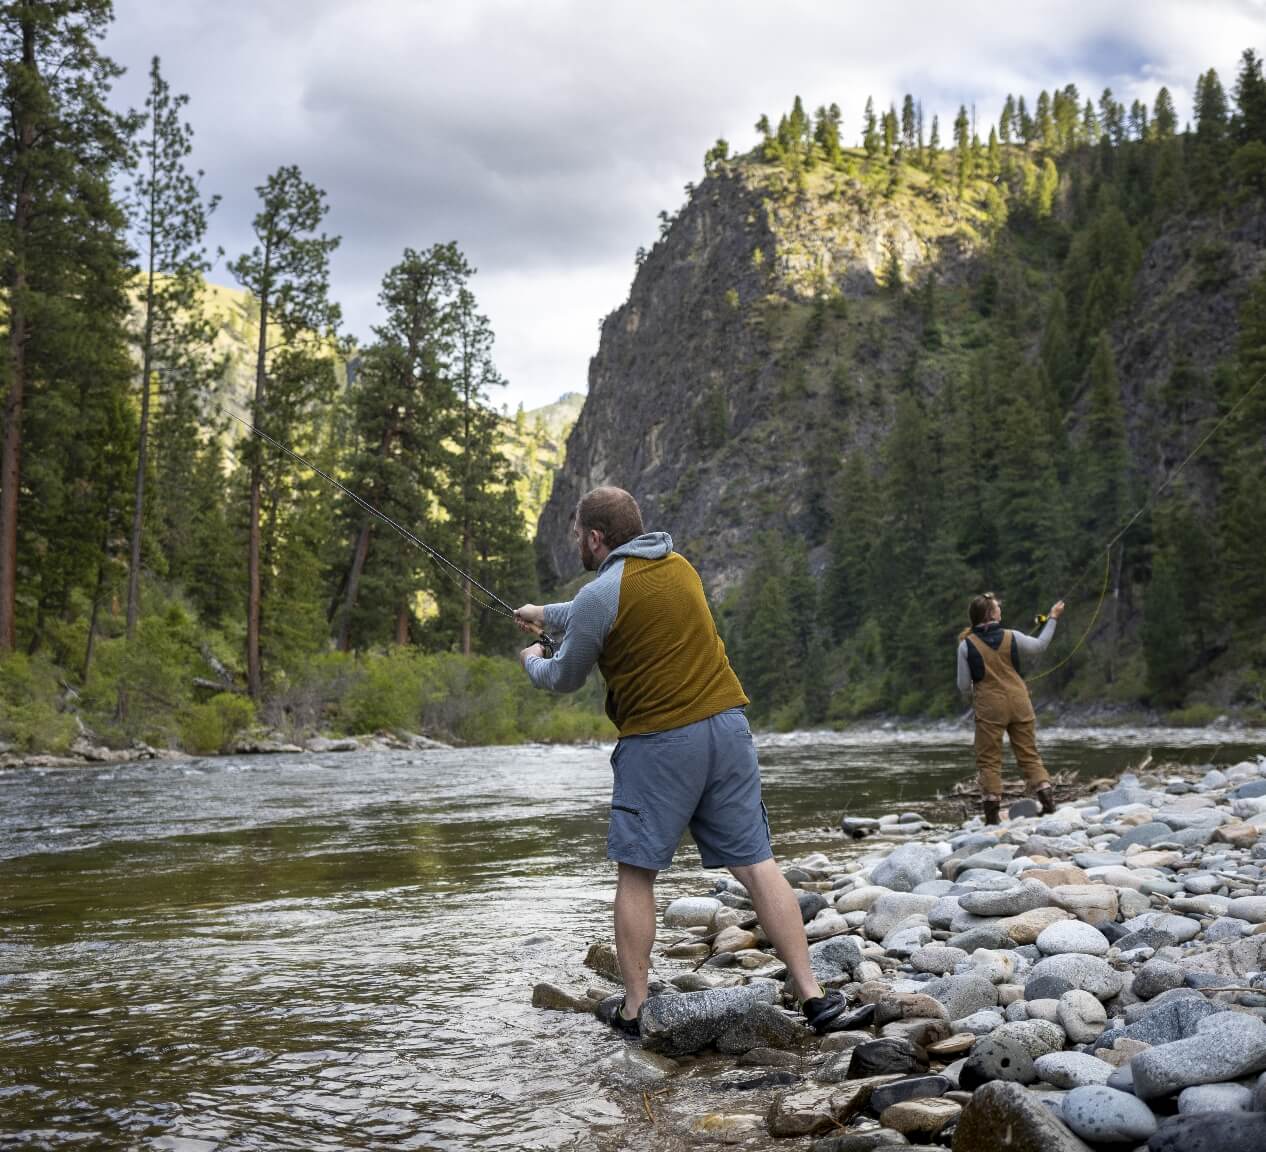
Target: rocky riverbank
x,y
86,750
1091,979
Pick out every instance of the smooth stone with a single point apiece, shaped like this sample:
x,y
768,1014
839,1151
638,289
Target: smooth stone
x,y
811,903
919,1032
1028,926
996,859
804,1112
1182,928
1151,938
911,1088
1155,977
1072,936
842,1041
953,1046
1024,897
886,1056
1089,973
935,888
1055,877
558,999
892,908
1215,1098
903,942
1103,1115
1148,833
1250,908
1090,903
998,967
1167,1023
1082,1016
938,959
1028,1124
921,1118
996,1057
961,995
691,912
979,1023
1023,809
1225,928
1046,987
835,957
1233,1047
858,826
1072,1069
974,938
1037,1036
872,1140
905,868
908,1006
1211,1132
634,1067
1042,1010
859,899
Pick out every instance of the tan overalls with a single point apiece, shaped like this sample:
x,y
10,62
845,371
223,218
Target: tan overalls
x,y
1002,705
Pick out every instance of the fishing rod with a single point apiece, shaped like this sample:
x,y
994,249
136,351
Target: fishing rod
x,y
1106,550
449,569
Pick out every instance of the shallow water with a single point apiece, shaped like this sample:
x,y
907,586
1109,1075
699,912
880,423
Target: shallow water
x,y
338,951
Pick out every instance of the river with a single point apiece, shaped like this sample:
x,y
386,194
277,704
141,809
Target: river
x,y
338,951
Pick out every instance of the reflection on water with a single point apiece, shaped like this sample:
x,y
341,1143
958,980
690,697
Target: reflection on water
x,y
338,951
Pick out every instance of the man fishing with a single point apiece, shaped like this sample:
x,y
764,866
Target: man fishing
x,y
685,757
989,672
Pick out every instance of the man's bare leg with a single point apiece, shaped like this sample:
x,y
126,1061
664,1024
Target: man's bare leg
x,y
635,931
779,915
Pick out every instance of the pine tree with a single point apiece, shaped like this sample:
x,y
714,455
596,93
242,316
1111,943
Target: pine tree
x,y
962,150
1164,119
1250,100
1212,139
404,415
870,130
176,336
63,299
891,130
934,150
287,273
847,580
908,123
1044,122
1006,119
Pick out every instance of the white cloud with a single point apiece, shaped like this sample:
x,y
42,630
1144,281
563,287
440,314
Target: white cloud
x,y
544,135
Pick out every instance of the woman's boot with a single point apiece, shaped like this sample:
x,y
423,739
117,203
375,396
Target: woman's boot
x,y
992,811
1046,797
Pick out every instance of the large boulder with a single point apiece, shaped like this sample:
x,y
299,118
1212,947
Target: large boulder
x,y
676,1025
999,1108
905,868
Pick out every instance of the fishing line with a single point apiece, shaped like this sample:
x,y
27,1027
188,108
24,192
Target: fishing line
x,y
1107,548
448,568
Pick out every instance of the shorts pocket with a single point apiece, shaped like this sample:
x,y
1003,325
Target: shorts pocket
x,y
626,834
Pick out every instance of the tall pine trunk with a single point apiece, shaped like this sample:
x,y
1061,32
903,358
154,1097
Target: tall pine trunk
x,y
11,450
254,673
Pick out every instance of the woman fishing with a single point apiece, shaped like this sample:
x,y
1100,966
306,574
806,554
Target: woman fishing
x,y
989,672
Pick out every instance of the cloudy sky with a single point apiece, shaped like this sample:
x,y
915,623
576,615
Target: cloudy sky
x,y
545,135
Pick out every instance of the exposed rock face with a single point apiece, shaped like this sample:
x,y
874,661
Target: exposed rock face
x,y
686,376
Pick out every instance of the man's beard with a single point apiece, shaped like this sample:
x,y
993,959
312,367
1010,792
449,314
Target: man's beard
x,y
587,558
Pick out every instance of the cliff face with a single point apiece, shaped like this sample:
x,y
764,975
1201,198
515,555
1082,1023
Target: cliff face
x,y
697,403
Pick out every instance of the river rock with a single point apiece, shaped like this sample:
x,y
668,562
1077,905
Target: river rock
x,y
893,907
1088,973
726,1127
801,1112
1072,1069
1001,1107
1250,908
990,936
998,967
1211,1132
911,1088
1215,1098
920,1118
835,958
1056,877
1038,1036
762,1026
691,912
904,940
1155,977
962,995
997,1058
1234,1046
1225,928
1166,1023
938,959
905,868
1103,1115
811,903
859,899
559,999
889,1055
676,1025
1072,936
634,1067
980,1023
1091,903
1181,928
734,939
1081,1015
1148,833
1024,897
871,1140
1028,926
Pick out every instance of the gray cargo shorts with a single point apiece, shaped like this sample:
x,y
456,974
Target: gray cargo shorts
x,y
702,776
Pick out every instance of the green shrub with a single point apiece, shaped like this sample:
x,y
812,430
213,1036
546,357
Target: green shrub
x,y
213,726
29,716
1193,716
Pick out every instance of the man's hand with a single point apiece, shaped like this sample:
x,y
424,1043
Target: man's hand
x,y
1057,610
530,618
530,650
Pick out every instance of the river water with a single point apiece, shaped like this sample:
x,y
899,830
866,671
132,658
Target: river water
x,y
338,951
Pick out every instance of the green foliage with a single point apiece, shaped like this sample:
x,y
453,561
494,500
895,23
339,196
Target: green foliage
x,y
29,718
215,726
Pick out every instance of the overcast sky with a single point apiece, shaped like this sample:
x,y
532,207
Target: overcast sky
x,y
545,135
